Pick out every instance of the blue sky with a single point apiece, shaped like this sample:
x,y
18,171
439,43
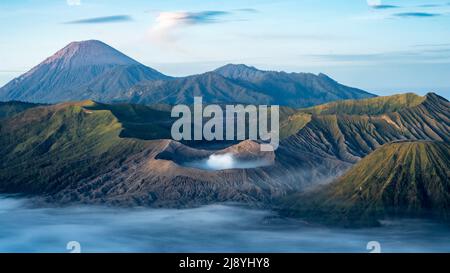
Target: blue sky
x,y
381,46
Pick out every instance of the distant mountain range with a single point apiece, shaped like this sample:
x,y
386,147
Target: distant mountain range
x,y
94,70
248,85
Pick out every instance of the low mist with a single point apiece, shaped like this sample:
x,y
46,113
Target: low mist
x,y
215,228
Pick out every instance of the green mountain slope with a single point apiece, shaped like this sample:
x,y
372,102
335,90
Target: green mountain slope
x,y
50,147
409,178
349,137
80,152
140,121
371,106
99,153
149,122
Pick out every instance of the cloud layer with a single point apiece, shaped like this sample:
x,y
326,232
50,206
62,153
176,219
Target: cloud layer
x,y
416,14
409,11
102,20
384,6
432,53
167,23
167,20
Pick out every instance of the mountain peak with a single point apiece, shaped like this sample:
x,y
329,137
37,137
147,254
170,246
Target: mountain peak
x,y
86,42
240,67
240,71
81,70
90,52
432,95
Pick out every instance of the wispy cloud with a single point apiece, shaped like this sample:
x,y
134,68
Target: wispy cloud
x,y
102,20
168,24
430,5
250,10
377,4
433,45
389,11
265,36
373,2
174,19
384,6
416,14
423,55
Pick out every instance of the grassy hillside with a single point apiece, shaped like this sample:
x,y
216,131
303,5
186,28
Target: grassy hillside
x,y
140,121
370,106
154,122
291,124
96,153
47,148
409,178
79,152
350,137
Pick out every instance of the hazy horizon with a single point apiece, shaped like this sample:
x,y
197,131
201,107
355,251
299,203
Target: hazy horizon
x,y
443,91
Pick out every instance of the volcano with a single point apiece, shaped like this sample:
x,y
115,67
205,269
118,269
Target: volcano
x,y
81,70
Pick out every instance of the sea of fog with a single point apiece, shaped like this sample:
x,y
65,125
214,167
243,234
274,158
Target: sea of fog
x,y
215,228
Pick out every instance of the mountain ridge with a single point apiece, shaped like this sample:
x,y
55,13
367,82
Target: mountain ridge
x,y
93,70
73,153
404,178
256,87
118,154
351,137
287,86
